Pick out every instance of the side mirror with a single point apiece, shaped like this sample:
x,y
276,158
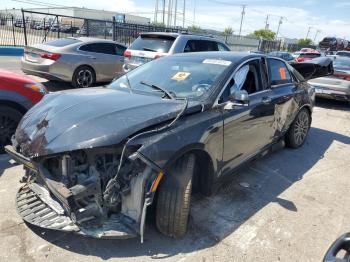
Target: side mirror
x,y
238,98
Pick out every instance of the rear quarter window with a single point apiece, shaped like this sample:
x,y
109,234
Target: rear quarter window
x,y
153,43
63,42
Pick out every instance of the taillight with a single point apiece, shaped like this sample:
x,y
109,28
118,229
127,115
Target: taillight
x,y
127,54
299,60
342,76
51,56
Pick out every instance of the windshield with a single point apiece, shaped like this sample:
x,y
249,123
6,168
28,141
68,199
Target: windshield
x,y
189,77
341,64
153,43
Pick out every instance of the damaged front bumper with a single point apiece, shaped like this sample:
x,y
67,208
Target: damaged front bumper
x,y
43,202
36,206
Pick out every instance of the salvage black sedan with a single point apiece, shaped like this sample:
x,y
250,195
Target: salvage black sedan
x,y
95,159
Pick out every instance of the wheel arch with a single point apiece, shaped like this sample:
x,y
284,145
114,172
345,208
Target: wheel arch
x,y
14,105
204,171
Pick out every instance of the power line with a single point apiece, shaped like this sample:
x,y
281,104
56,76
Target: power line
x,y
308,31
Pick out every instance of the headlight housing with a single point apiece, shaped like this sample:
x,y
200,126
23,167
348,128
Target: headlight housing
x,y
37,87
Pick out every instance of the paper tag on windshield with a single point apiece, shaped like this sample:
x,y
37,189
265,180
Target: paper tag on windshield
x,y
217,62
180,76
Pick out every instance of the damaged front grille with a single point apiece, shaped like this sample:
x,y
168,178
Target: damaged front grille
x,y
79,181
36,206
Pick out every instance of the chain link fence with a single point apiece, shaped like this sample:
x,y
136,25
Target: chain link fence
x,y
32,27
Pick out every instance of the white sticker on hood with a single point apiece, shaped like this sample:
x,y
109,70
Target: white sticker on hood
x,y
217,62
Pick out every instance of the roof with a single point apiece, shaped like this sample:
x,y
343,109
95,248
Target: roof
x,y
224,55
186,35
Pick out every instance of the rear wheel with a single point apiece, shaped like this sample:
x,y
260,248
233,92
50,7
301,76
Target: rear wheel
x,y
84,76
299,129
173,202
9,119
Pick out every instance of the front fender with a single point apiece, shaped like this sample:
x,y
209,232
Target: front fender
x,y
202,131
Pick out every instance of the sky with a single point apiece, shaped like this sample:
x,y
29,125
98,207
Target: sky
x,y
331,17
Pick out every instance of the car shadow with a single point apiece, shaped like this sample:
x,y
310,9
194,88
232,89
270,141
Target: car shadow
x,y
214,218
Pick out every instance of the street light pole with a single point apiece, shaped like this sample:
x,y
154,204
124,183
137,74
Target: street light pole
x,y
279,25
183,14
318,31
308,31
267,22
242,15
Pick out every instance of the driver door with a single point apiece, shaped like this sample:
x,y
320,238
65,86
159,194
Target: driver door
x,y
247,128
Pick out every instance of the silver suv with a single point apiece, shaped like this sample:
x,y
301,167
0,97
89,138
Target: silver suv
x,y
149,46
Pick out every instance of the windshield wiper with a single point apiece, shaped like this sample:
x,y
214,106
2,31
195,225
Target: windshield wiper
x,y
149,49
158,88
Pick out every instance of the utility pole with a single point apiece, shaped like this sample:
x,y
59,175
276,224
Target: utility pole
x,y
242,15
318,31
156,12
183,14
267,22
170,10
194,12
308,31
279,25
175,12
163,12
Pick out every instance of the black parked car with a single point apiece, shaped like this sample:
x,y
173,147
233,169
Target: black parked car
x,y
95,160
284,55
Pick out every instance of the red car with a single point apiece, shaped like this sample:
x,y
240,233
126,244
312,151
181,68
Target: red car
x,y
18,93
304,56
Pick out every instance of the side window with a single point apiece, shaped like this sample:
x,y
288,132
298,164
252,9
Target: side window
x,y
222,47
87,48
248,78
119,50
102,48
279,73
200,46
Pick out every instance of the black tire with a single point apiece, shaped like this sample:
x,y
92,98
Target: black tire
x,y
9,119
84,76
299,129
173,204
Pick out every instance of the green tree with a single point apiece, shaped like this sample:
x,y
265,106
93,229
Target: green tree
x,y
305,41
227,31
264,33
158,24
194,29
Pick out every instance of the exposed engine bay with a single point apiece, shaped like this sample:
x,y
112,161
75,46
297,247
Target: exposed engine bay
x,y
80,182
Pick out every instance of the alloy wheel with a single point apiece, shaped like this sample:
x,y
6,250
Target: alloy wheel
x,y
84,78
301,127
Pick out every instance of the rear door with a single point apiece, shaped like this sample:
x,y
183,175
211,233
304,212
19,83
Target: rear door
x,y
104,58
284,89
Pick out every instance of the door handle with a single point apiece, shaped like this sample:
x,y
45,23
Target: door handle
x,y
92,57
266,100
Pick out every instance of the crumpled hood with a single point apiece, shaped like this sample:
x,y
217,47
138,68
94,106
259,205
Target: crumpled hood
x,y
87,118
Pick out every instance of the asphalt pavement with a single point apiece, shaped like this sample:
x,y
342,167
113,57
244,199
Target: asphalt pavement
x,y
288,206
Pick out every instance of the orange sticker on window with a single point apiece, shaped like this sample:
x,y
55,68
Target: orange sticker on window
x,y
282,71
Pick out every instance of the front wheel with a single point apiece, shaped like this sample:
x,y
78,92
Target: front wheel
x,y
299,129
173,204
9,119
